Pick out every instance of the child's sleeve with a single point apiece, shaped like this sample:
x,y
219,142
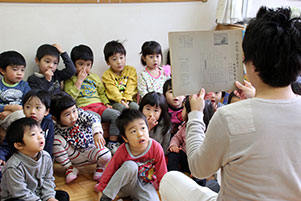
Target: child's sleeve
x,y
48,185
176,139
142,85
90,119
49,132
69,69
112,91
70,88
5,150
131,86
160,166
26,88
35,82
101,91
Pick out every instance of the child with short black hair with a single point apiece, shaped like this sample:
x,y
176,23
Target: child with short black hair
x,y
36,105
120,80
138,164
88,91
153,77
78,137
12,87
49,78
28,174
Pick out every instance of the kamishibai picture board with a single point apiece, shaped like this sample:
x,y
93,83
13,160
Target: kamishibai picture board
x,y
205,59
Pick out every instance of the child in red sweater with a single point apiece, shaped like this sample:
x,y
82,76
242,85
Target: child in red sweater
x,y
137,164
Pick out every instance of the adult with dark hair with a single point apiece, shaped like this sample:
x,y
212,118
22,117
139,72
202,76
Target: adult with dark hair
x,y
255,142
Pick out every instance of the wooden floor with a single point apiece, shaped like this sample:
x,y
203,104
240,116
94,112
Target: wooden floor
x,y
82,189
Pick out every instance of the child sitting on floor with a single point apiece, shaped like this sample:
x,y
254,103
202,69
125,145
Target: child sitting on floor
x,y
88,91
78,137
36,105
153,105
12,87
28,174
137,164
175,106
120,80
153,77
49,78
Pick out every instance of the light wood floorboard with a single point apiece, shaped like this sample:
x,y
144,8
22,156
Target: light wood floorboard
x,y
82,189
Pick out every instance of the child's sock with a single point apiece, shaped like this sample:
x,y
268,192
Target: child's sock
x,y
71,174
98,173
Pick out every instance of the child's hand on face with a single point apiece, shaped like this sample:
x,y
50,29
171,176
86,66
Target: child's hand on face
x,y
58,47
99,141
82,75
48,75
152,122
174,148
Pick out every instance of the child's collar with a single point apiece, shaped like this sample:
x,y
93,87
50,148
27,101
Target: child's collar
x,y
38,75
8,85
174,109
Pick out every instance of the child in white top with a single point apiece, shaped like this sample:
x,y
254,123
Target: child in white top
x,y
153,77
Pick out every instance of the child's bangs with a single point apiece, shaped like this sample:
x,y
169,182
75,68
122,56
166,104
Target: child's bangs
x,y
86,57
119,49
153,102
153,50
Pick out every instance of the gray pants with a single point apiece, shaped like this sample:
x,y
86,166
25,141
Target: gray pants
x,y
110,115
120,107
127,182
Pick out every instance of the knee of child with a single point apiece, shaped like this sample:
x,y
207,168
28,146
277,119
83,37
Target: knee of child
x,y
115,114
130,166
104,156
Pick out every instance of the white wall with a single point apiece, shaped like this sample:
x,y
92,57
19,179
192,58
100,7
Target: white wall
x,y
274,4
24,27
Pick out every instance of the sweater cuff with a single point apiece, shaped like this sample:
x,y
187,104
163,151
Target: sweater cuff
x,y
97,128
195,115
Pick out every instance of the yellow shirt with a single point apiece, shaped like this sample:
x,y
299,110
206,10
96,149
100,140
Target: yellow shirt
x,y
121,87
